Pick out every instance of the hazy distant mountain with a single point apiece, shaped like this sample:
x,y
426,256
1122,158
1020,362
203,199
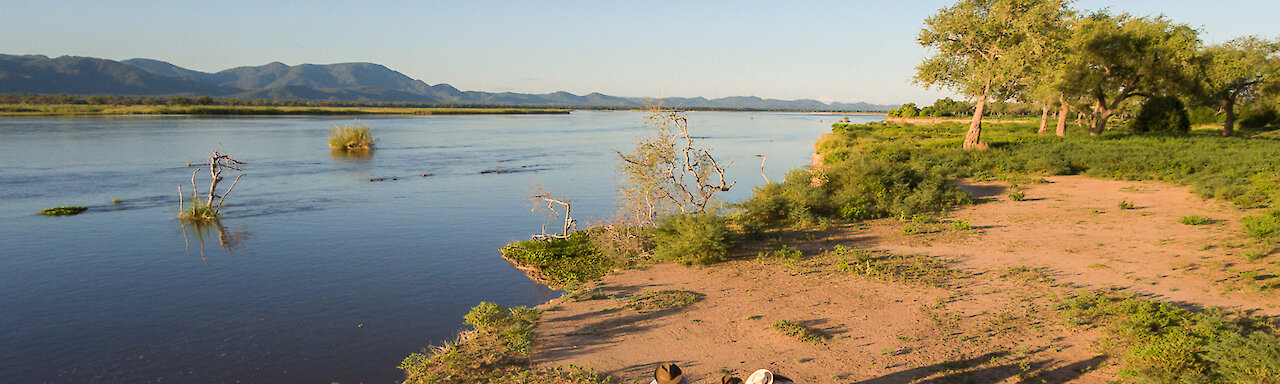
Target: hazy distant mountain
x,y
343,82
90,76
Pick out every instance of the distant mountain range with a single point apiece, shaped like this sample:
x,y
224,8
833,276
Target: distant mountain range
x,y
39,74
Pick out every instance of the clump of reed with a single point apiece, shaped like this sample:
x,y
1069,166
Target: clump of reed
x,y
354,137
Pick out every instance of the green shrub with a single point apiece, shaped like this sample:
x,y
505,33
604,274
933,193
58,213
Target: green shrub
x,y
1195,220
1259,118
357,137
1203,115
689,238
1162,114
1167,344
63,211
1264,226
571,260
1241,358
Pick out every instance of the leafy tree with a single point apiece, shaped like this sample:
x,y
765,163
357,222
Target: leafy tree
x,y
1114,58
907,110
1237,71
985,49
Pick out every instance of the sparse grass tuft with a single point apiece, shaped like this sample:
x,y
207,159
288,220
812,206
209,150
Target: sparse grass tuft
x,y
356,137
784,252
916,269
661,300
198,211
1126,204
1195,220
497,351
799,331
63,211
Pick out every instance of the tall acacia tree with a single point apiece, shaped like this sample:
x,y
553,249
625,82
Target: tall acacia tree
x,y
1237,71
1114,58
987,49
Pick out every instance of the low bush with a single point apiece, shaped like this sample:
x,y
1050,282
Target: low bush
x,y
1167,344
689,238
1195,220
858,189
572,260
1161,114
357,137
1259,118
1263,226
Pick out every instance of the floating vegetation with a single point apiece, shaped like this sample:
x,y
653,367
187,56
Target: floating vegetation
x,y
63,211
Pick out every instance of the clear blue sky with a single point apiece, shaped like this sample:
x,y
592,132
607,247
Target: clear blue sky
x,y
827,50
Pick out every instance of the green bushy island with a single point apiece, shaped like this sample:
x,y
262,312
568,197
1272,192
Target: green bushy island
x,y
890,170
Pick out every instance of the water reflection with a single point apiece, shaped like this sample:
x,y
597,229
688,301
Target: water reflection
x,y
227,239
355,154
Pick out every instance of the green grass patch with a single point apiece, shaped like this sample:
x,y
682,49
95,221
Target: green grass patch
x,y
662,300
497,351
1163,343
799,331
1195,220
355,137
63,211
914,269
569,261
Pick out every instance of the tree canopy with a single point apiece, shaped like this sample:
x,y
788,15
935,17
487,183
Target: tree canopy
x,y
1238,70
1115,57
986,49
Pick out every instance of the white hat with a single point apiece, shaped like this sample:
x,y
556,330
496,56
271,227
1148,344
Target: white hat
x,y
763,376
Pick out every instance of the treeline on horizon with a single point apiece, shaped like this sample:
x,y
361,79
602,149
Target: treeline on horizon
x,y
182,101
1091,65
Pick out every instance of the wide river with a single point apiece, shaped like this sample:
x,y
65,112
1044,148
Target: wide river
x,y
317,274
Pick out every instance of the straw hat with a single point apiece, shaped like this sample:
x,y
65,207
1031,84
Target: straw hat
x,y
763,376
668,374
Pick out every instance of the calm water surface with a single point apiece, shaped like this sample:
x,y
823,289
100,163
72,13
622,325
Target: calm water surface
x,y
317,275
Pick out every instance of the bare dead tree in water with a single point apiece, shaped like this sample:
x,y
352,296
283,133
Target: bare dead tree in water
x,y
544,199
668,172
207,209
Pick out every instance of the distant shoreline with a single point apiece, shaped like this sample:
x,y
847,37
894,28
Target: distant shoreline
x,y
28,110
63,110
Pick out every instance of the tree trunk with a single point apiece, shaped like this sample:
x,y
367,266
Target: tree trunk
x,y
1100,116
1062,115
973,138
1044,117
1229,123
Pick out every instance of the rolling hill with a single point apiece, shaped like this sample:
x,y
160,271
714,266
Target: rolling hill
x,y
38,74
